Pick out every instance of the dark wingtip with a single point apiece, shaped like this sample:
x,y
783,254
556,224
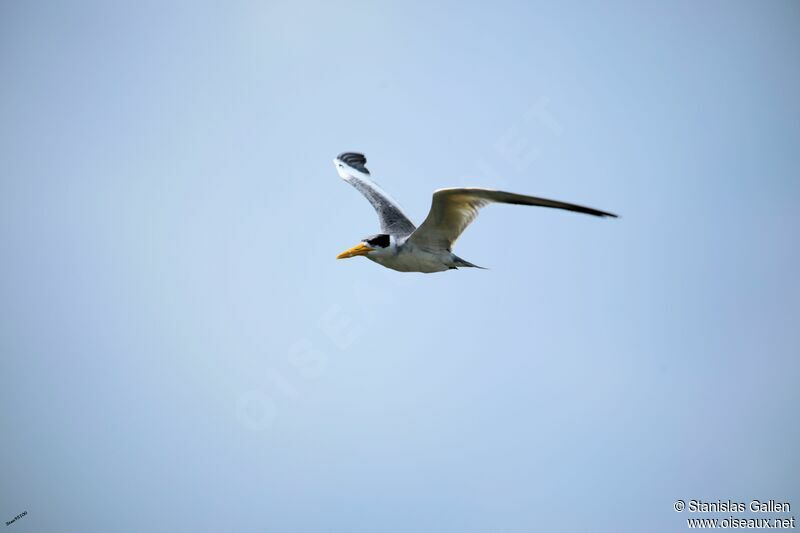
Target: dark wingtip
x,y
344,156
356,160
595,212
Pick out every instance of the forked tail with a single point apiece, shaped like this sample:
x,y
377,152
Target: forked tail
x,y
458,262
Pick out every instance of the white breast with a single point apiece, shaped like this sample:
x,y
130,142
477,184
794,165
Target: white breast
x,y
408,259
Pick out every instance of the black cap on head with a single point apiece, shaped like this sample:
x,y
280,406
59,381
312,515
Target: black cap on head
x,y
378,241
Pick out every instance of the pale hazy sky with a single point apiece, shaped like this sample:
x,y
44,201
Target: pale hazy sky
x,y
180,351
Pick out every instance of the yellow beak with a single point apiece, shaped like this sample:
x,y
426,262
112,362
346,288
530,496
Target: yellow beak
x,y
359,249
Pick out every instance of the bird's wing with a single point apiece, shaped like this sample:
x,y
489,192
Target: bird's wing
x,y
352,168
452,210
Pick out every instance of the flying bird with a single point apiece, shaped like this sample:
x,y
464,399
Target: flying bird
x,y
428,248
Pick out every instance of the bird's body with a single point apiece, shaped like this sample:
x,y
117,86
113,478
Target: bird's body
x,y
402,246
404,256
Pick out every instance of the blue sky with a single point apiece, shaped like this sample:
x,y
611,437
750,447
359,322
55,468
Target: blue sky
x,y
181,352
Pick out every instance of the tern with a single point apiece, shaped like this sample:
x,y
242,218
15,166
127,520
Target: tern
x,y
428,248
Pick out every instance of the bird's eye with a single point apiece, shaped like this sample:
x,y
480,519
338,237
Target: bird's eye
x,y
379,241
